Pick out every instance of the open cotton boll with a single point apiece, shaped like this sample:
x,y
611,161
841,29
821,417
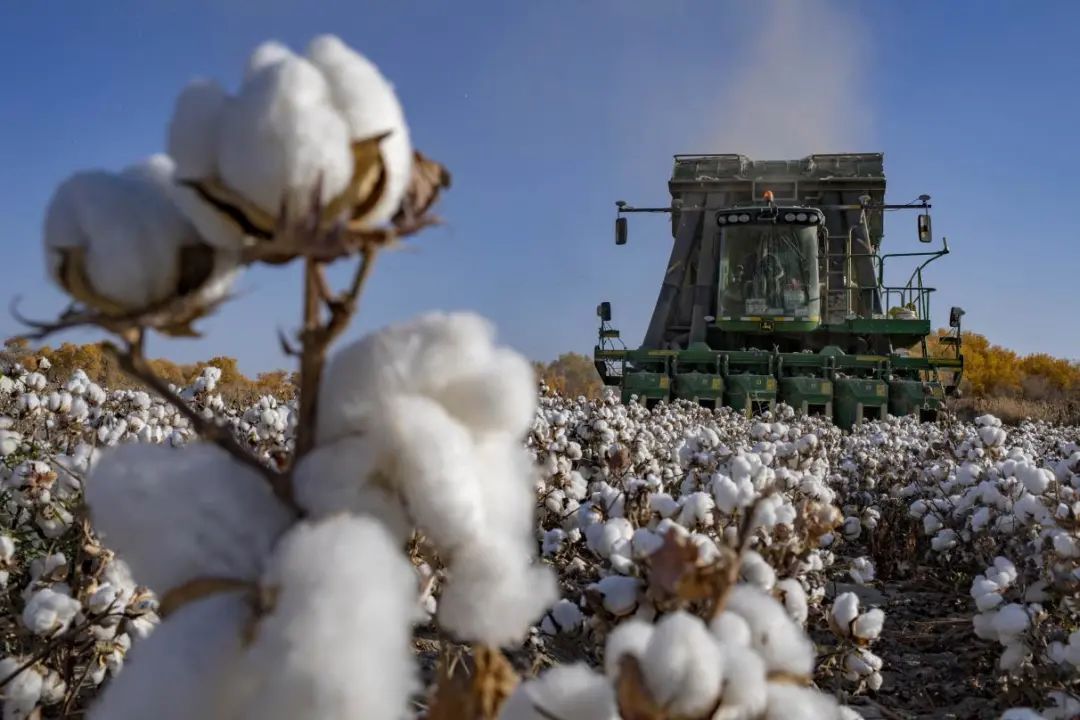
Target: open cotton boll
x,y
745,685
343,477
175,515
499,396
628,638
370,107
567,692
869,624
791,702
338,643
22,694
421,356
49,613
844,610
266,54
280,136
128,231
181,670
493,594
433,468
193,129
731,629
782,644
793,596
683,665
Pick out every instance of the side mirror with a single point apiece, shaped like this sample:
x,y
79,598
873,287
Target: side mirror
x,y
620,231
924,229
603,311
954,317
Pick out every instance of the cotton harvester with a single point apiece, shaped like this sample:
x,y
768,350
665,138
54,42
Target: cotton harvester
x,y
775,292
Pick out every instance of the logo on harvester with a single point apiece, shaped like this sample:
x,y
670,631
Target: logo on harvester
x,y
766,325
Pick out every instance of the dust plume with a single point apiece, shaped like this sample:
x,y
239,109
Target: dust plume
x,y
801,88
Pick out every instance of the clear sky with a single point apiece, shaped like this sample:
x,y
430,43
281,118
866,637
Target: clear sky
x,y
548,111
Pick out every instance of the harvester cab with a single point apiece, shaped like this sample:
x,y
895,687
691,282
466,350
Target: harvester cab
x,y
775,291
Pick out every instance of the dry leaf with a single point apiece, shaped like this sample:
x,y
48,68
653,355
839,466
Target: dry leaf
x,y
428,180
473,690
248,217
675,574
635,702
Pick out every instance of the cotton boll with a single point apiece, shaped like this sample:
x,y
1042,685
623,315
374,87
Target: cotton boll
x,y
731,629
683,665
869,624
567,692
493,594
845,609
306,660
129,234
177,515
182,669
499,396
421,356
370,107
745,693
266,54
280,136
434,468
1011,620
791,702
756,571
1021,714
791,593
342,477
628,638
620,594
782,644
49,613
23,692
193,129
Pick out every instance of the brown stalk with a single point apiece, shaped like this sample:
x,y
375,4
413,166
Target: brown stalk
x,y
316,336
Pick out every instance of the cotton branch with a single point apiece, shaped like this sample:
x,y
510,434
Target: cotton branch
x,y
133,361
316,336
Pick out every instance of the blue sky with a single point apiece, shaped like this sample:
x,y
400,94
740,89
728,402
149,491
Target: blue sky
x,y
547,112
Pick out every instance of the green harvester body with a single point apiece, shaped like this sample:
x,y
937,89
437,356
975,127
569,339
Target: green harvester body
x,y
775,293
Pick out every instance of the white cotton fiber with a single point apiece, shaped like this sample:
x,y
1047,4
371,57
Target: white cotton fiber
x,y
343,476
181,670
193,129
844,610
745,691
431,458
499,396
421,356
49,613
793,596
280,136
791,702
337,645
568,692
129,231
175,515
22,694
370,107
494,594
266,54
628,638
781,643
683,665
731,629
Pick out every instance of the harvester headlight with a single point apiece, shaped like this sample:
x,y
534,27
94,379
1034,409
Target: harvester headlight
x,y
812,217
733,218
789,217
801,217
744,218
722,219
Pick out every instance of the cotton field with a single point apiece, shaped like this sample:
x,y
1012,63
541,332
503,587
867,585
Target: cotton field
x,y
638,518
425,531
